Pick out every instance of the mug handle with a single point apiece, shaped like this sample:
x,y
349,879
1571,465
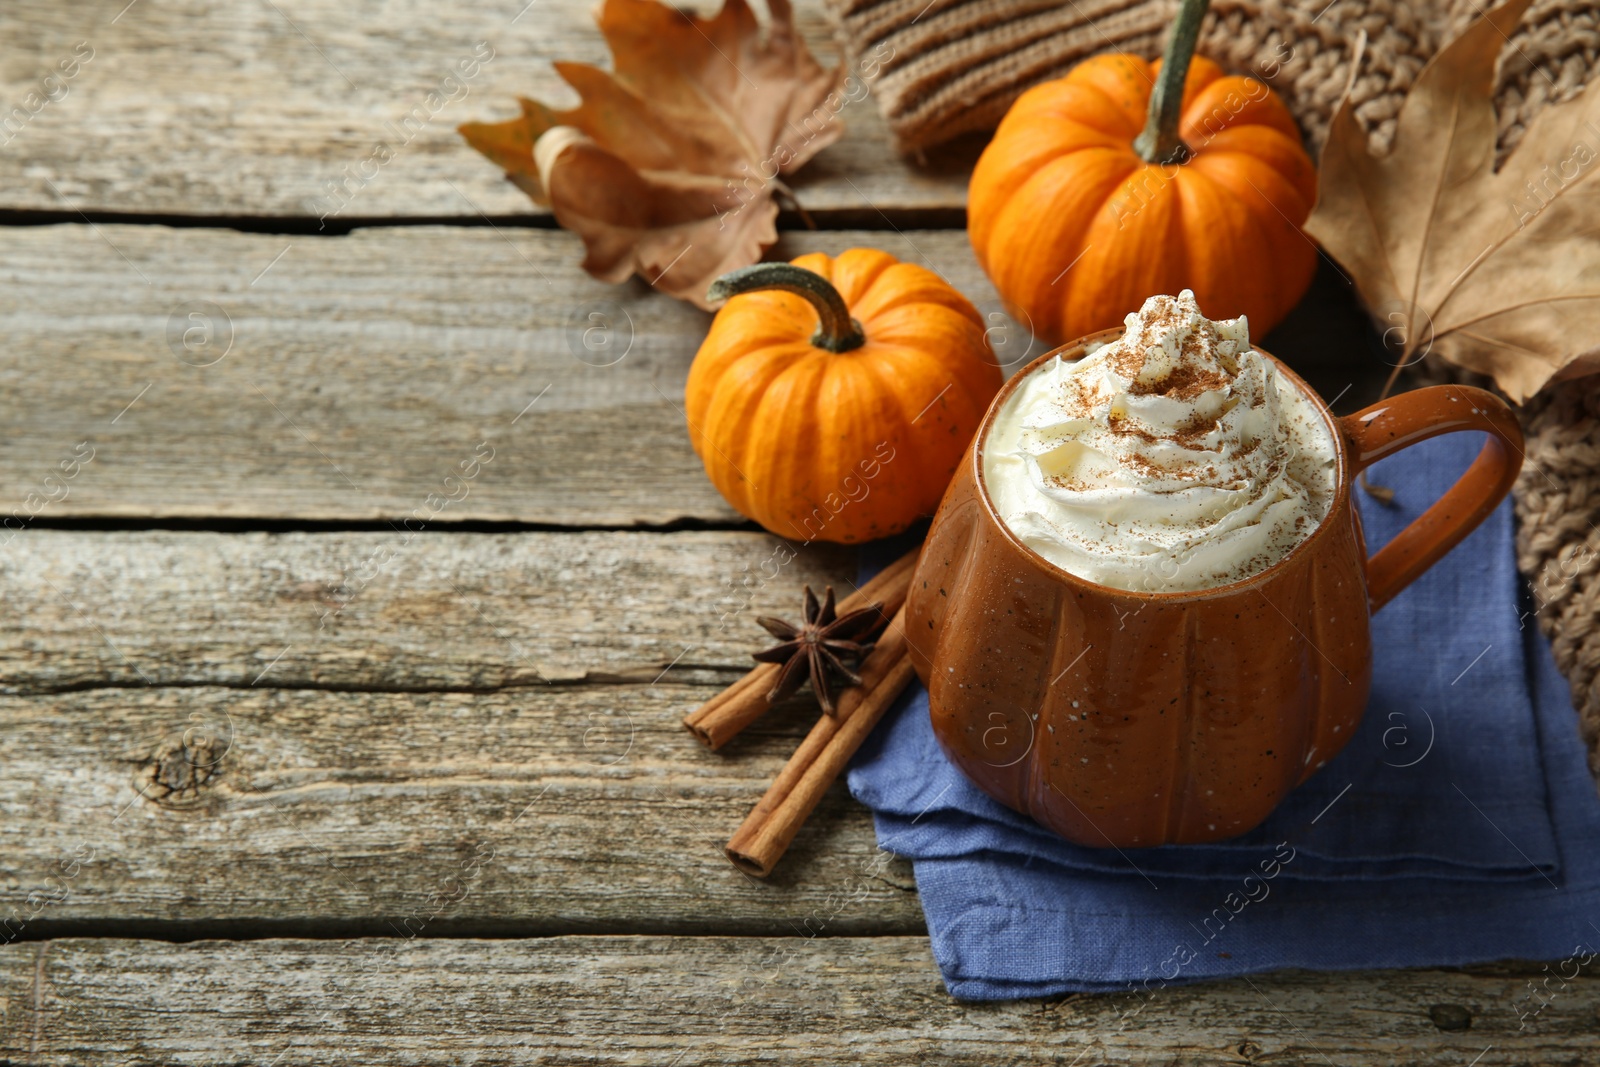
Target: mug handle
x,y
1402,420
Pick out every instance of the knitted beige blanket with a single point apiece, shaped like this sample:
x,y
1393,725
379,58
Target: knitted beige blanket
x,y
946,67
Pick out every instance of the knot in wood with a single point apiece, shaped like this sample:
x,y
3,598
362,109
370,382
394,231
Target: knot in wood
x,y
179,768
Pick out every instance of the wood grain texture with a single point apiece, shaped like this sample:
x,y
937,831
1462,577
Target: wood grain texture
x,y
207,108
227,812
377,611
336,732
220,374
694,1001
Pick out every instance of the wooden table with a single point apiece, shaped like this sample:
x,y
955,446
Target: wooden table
x,y
289,779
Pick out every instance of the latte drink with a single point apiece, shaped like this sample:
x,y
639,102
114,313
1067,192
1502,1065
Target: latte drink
x,y
1173,459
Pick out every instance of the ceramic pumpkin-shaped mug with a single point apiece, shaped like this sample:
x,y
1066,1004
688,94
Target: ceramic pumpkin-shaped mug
x,y
1131,719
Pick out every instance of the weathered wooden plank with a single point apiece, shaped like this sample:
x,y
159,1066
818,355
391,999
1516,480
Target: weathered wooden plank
x,y
205,108
213,373
526,811
392,610
206,373
690,1001
198,739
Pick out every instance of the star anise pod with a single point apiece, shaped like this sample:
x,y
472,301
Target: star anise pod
x,y
817,648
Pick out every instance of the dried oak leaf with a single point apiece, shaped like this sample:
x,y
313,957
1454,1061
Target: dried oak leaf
x,y
668,165
1497,272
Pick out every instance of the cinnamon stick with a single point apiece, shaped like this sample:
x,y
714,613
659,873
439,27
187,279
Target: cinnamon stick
x,y
769,828
719,720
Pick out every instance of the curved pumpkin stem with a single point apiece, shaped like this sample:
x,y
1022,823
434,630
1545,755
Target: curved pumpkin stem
x,y
1159,142
836,330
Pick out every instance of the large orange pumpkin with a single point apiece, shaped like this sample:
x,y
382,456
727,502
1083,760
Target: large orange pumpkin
x,y
833,398
1079,209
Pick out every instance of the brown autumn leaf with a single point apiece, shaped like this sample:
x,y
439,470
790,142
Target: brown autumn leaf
x,y
668,166
1497,272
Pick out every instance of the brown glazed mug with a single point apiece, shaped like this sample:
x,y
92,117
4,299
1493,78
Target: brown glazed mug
x,y
1129,719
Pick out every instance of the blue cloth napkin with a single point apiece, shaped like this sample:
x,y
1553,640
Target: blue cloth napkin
x,y
1460,824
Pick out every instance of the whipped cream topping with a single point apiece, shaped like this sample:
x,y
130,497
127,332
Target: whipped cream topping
x,y
1175,458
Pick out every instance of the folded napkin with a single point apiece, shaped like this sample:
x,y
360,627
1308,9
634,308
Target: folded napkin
x,y
1450,830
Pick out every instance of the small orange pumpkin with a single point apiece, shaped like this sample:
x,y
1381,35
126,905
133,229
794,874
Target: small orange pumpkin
x,y
833,398
1098,192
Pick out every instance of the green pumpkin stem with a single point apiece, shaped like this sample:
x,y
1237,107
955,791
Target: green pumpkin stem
x,y
1160,143
836,330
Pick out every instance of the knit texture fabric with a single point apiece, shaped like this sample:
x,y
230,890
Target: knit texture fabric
x,y
1558,544
947,67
